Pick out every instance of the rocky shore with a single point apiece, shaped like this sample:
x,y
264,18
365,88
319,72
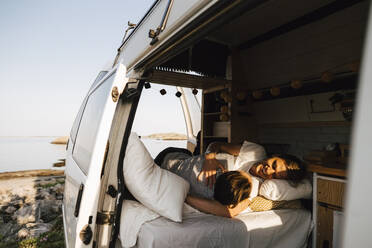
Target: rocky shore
x,y
30,209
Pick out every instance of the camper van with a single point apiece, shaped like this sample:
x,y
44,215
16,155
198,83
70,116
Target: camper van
x,y
292,76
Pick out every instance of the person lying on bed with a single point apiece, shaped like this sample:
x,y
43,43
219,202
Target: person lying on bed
x,y
228,195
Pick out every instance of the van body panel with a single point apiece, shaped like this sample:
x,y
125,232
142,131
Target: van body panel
x,y
74,177
138,47
357,222
85,157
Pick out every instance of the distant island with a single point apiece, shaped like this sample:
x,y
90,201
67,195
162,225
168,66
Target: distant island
x,y
60,140
166,136
159,136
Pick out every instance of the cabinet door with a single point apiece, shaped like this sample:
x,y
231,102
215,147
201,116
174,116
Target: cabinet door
x,y
325,227
331,192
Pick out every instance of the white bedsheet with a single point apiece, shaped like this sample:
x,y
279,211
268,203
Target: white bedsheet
x,y
277,228
134,215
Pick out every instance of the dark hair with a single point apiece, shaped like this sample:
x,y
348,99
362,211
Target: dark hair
x,y
296,168
231,188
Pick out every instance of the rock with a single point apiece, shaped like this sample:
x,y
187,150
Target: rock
x,y
47,210
30,201
9,230
6,218
44,194
17,203
10,210
23,233
25,214
38,228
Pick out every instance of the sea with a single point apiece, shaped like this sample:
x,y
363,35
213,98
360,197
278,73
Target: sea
x,y
32,153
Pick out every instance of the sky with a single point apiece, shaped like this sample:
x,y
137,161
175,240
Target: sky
x,y
50,53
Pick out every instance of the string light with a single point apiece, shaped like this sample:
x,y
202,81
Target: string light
x,y
178,94
275,91
257,94
327,77
195,91
163,92
354,67
241,95
296,84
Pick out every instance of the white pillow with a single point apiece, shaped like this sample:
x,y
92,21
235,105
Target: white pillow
x,y
282,190
156,188
256,181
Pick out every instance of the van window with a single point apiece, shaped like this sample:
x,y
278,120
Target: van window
x,y
75,126
100,75
89,124
159,118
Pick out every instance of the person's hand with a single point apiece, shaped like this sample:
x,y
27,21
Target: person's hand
x,y
209,169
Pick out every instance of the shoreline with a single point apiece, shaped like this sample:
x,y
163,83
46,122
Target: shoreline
x,y
166,136
31,173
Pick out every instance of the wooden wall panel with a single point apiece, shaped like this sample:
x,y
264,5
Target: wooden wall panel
x,y
243,126
307,51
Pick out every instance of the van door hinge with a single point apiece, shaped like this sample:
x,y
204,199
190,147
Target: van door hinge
x,y
115,94
105,218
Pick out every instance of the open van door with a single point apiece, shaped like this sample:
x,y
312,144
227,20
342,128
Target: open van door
x,y
86,155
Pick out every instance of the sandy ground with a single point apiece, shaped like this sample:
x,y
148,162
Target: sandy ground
x,y
23,187
22,183
30,173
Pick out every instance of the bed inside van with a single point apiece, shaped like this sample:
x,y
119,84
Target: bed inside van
x,y
283,74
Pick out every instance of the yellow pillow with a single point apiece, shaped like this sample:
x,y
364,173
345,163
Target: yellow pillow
x,y
260,203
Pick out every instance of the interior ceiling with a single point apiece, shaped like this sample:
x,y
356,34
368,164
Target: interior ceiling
x,y
267,16
272,18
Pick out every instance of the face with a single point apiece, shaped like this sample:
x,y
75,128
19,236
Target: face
x,y
271,168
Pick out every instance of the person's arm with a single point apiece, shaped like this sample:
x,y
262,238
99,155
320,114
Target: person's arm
x,y
217,147
211,164
216,208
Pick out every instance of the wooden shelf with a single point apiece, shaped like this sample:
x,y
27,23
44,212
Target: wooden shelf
x,y
213,129
337,170
215,137
309,124
212,113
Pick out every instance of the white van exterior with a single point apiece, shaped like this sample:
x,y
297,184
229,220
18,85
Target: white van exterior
x,y
275,48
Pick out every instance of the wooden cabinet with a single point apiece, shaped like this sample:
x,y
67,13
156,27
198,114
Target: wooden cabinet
x,y
328,202
216,112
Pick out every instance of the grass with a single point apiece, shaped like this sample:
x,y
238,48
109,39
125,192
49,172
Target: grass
x,y
52,239
47,185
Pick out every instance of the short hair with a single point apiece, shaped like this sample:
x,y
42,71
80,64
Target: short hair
x,y
296,168
231,188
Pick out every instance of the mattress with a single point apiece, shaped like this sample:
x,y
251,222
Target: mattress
x,y
276,228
